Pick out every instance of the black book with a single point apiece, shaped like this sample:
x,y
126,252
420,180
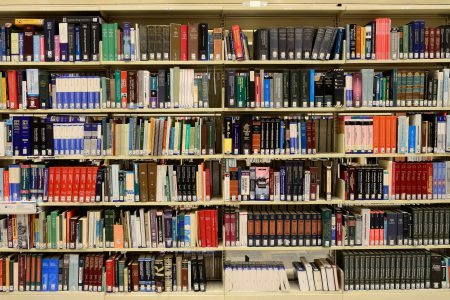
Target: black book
x,y
49,137
263,44
151,42
298,47
230,50
203,41
328,83
49,38
308,39
36,132
339,85
304,87
236,134
286,89
282,43
273,33
195,278
44,96
352,38
158,41
167,90
319,90
85,41
332,44
95,41
436,271
193,184
43,136
317,42
230,90
8,31
71,41
166,41
246,134
295,87
326,43
290,43
143,42
159,270
161,87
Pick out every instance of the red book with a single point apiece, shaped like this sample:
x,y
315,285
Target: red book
x,y
437,42
64,181
387,53
76,184
92,179
6,185
395,179
214,224
424,181
184,43
82,190
430,180
431,43
123,89
208,184
208,228
69,215
70,175
339,228
57,185
378,38
414,181
109,266
427,42
228,229
13,98
22,266
202,228
1,274
42,48
232,229
237,42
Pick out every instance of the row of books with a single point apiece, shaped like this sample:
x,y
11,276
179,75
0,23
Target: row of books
x,y
290,180
389,270
316,88
322,274
261,276
285,43
415,133
100,273
141,182
73,135
378,39
394,180
69,229
276,135
327,227
172,88
413,88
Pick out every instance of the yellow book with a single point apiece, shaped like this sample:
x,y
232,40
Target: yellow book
x,y
151,136
363,42
15,46
3,93
34,22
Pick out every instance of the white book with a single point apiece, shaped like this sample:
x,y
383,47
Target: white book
x,y
302,278
309,273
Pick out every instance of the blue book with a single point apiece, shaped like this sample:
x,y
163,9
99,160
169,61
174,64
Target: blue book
x,y
421,49
338,44
14,183
312,74
17,140
412,139
36,48
21,56
281,142
131,130
435,180
53,264
267,100
174,230
303,137
44,274
187,231
126,41
77,44
180,227
172,137
3,44
282,183
442,180
45,190
239,180
25,131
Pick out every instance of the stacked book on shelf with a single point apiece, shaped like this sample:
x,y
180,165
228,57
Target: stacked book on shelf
x,y
163,88
83,183
284,43
64,135
114,273
393,270
328,227
70,229
378,39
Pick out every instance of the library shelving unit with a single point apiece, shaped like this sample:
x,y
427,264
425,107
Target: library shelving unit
x,y
249,14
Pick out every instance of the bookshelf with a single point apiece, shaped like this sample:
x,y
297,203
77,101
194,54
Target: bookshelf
x,y
232,12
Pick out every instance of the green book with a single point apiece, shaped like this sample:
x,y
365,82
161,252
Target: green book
x,y
326,226
105,42
187,141
113,32
104,91
117,97
53,216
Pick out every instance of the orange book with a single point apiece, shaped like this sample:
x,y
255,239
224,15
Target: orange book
x,y
6,185
383,133
358,42
57,185
64,181
76,184
124,88
38,272
70,179
33,273
217,37
393,128
118,236
51,184
82,190
151,135
234,184
376,134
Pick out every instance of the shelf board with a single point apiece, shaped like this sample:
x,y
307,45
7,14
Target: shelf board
x,y
417,294
262,202
51,63
333,248
68,295
51,250
235,63
427,61
194,63
135,111
104,249
284,156
111,157
176,203
71,204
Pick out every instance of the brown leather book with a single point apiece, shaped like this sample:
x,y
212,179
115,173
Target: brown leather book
x,y
135,276
151,177
175,41
193,41
28,33
184,274
234,183
217,36
143,183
